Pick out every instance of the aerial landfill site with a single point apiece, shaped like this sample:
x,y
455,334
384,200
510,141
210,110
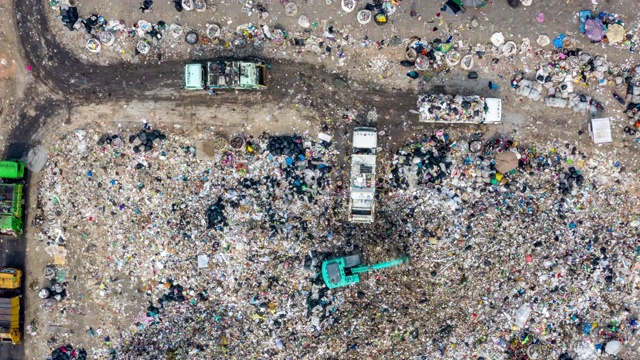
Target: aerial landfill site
x,y
416,180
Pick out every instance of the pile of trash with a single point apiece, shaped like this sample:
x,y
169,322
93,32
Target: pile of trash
x,y
555,81
451,109
435,55
607,27
223,255
67,352
55,289
291,146
69,16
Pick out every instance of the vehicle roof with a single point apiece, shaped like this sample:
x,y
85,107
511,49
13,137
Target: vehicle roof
x,y
193,75
494,114
9,169
365,138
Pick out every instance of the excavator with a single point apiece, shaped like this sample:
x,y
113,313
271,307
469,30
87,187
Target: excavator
x,y
346,270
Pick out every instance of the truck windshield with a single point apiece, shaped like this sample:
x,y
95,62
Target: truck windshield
x,y
362,151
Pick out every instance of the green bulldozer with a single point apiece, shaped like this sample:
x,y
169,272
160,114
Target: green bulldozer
x,y
345,270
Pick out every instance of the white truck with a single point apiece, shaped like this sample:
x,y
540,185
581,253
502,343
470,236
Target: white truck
x,y
363,175
458,109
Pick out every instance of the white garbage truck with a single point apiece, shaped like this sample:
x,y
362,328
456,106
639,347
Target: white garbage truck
x,y
363,175
458,109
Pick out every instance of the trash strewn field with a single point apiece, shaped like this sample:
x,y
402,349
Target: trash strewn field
x,y
170,252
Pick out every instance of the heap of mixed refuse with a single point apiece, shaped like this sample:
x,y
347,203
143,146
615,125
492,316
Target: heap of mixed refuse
x,y
516,249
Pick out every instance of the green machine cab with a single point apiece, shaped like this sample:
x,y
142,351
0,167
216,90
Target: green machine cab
x,y
11,198
345,270
11,169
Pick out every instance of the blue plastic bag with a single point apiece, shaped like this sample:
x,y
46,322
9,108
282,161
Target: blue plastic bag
x,y
557,42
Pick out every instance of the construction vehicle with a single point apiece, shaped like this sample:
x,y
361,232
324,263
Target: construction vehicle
x,y
10,278
345,270
11,198
10,320
220,74
363,175
10,169
10,281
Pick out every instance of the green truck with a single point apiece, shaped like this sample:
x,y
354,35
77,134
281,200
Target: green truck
x,y
223,74
11,197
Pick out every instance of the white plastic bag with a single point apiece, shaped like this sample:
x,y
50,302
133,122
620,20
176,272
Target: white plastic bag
x,y
522,315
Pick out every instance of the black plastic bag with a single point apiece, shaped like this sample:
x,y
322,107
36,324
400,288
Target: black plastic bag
x,y
412,74
514,3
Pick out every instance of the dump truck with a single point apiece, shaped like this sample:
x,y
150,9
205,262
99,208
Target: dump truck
x,y
363,175
10,281
11,198
222,74
458,109
10,320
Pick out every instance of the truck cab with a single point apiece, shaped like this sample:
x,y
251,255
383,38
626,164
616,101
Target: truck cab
x,y
12,169
10,278
363,175
194,76
493,114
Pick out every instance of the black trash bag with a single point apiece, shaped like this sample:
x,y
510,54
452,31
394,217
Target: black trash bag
x,y
412,74
92,20
103,139
215,215
69,17
514,3
407,63
472,75
178,5
286,145
146,5
87,27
